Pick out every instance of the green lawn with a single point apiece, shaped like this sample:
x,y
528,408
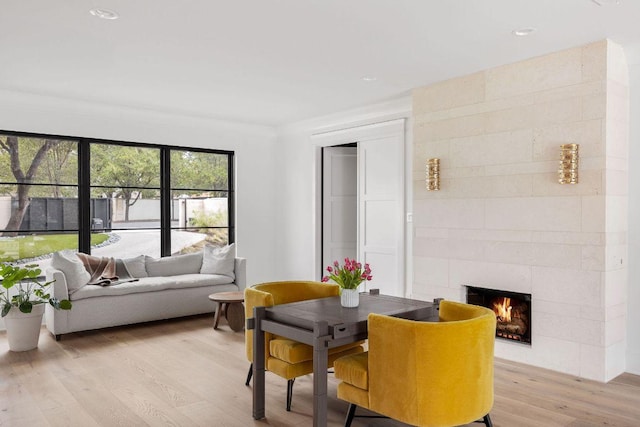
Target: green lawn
x,y
34,246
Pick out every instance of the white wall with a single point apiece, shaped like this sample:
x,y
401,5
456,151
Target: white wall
x,y
633,315
254,148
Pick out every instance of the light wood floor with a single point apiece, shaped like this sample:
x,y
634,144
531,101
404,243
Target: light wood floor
x,y
183,373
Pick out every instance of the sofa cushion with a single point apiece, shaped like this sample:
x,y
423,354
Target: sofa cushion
x,y
196,280
136,266
74,272
219,260
152,284
174,265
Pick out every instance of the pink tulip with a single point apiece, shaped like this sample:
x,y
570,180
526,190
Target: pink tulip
x,y
352,271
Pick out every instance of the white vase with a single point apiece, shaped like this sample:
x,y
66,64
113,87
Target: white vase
x,y
350,298
23,329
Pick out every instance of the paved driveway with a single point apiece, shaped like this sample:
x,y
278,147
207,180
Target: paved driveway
x,y
146,242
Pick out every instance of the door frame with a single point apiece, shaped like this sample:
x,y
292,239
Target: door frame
x,y
396,127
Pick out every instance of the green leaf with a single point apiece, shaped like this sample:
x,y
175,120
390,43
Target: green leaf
x,y
5,309
40,294
26,307
65,304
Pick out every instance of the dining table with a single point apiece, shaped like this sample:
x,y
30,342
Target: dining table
x,y
323,324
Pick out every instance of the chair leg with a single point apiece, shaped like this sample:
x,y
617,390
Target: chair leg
x,y
289,393
487,421
249,375
350,414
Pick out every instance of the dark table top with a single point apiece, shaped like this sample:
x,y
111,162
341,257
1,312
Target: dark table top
x,y
344,321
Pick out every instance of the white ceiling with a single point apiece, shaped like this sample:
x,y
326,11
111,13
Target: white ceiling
x,y
274,62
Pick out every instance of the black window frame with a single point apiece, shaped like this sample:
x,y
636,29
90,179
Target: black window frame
x,y
84,184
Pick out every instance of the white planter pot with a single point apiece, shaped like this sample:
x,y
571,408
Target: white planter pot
x,y
350,298
23,330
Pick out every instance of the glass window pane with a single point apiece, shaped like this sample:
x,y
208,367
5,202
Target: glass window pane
x,y
130,243
139,211
193,240
118,169
36,248
199,171
200,212
52,208
101,217
38,160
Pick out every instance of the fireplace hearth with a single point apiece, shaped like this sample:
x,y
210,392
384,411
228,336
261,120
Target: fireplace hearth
x,y
512,309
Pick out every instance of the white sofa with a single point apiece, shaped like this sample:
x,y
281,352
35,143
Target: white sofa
x,y
174,287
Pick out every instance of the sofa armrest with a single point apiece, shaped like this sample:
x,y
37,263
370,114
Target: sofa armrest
x,y
240,270
59,286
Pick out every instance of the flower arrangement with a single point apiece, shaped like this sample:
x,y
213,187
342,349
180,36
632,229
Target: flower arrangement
x,y
350,275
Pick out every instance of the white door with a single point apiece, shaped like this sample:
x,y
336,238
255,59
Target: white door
x,y
339,204
381,213
380,202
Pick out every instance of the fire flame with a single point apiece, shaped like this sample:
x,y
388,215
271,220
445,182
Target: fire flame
x,y
503,309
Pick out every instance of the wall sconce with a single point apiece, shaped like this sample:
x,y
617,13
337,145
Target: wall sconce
x,y
433,174
569,159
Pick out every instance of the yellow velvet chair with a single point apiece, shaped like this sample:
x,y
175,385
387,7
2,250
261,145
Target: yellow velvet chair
x,y
431,374
284,357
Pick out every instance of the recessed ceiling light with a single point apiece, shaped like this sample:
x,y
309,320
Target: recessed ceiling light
x,y
104,14
369,78
522,32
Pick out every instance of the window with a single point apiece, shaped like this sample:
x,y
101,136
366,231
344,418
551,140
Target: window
x,y
38,196
110,198
200,197
128,178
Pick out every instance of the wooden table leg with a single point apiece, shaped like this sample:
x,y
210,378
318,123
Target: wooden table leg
x,y
234,313
216,317
320,366
258,363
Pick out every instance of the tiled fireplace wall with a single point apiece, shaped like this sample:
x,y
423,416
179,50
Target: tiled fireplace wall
x,y
501,220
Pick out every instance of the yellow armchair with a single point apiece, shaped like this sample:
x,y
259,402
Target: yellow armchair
x,y
431,374
284,357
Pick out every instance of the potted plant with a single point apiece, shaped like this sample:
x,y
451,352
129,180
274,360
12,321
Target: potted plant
x,y
348,277
22,311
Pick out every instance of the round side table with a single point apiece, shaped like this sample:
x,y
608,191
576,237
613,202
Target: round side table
x,y
231,303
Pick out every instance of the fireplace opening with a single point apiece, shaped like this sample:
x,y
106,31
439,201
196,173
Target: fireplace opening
x,y
512,309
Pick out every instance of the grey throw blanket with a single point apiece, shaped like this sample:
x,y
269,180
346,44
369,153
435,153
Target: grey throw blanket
x,y
105,271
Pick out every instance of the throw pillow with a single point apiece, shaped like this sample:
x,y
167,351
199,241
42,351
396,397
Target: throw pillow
x,y
136,266
75,273
174,265
219,260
